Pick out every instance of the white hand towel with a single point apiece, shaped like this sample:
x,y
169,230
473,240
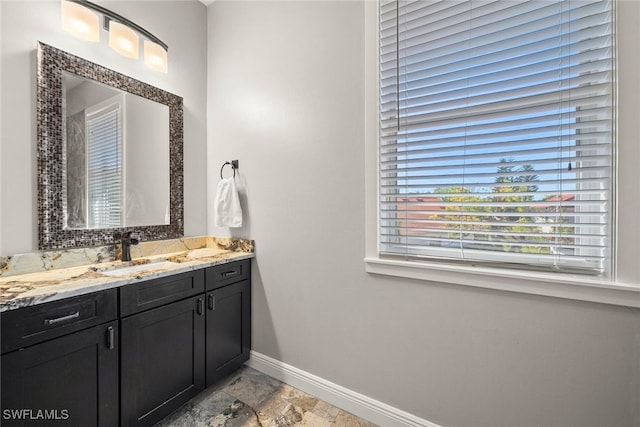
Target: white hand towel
x,y
226,205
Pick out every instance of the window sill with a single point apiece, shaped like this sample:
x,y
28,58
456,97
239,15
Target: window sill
x,y
535,283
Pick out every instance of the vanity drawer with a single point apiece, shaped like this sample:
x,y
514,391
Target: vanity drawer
x,y
32,325
142,296
225,274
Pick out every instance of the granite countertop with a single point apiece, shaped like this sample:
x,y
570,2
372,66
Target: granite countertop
x,y
57,281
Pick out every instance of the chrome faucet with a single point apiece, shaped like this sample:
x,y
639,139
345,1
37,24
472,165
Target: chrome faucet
x,y
126,241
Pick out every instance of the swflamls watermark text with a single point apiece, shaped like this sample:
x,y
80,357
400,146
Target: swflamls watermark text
x,y
35,414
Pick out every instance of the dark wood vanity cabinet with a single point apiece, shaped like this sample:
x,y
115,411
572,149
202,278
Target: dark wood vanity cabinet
x,y
127,356
162,355
228,330
186,342
64,376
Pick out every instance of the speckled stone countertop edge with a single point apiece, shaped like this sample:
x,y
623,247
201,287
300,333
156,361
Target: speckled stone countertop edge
x,y
21,291
41,261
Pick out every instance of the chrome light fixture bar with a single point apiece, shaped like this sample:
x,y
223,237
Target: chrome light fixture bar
x,y
79,20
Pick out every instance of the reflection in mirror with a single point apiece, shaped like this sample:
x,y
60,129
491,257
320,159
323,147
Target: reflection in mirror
x,y
115,157
109,155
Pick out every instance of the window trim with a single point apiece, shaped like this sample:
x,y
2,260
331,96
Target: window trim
x,y
624,287
560,285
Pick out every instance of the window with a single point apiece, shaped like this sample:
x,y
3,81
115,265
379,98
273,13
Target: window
x,y
104,165
496,132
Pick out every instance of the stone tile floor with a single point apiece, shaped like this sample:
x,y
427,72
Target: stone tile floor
x,y
250,398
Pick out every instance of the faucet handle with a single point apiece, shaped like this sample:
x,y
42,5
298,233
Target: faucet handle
x,y
125,242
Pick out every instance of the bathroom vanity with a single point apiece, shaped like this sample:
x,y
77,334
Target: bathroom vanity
x,y
133,352
87,340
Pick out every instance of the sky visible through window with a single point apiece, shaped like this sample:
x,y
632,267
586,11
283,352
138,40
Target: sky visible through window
x,y
484,155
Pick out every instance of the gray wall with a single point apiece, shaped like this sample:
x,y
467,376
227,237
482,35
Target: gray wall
x,y
180,24
289,96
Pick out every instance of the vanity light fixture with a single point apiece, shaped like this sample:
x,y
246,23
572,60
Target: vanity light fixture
x,y
155,56
79,19
123,40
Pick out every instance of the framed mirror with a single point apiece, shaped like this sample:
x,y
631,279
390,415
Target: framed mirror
x,y
110,155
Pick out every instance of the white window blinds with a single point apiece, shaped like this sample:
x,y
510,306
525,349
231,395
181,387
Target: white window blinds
x,y
496,131
104,167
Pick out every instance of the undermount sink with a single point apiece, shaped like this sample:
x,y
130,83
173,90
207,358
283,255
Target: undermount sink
x,y
125,271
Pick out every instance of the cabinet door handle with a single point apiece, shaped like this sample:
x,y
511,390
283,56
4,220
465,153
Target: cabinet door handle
x,y
200,306
111,338
211,302
61,319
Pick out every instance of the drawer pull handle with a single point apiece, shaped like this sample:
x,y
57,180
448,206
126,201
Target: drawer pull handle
x,y
110,338
211,302
61,319
230,273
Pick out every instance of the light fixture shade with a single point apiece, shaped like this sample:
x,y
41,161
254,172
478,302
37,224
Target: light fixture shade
x,y
123,40
80,21
155,56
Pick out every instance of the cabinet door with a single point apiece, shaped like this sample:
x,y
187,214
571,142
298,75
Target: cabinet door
x,y
228,329
162,360
68,381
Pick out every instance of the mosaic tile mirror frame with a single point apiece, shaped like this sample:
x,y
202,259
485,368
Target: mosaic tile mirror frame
x,y
52,230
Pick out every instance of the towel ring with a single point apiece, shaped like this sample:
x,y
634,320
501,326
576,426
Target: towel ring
x,y
234,166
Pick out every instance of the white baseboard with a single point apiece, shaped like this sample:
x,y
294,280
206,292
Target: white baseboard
x,y
358,404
